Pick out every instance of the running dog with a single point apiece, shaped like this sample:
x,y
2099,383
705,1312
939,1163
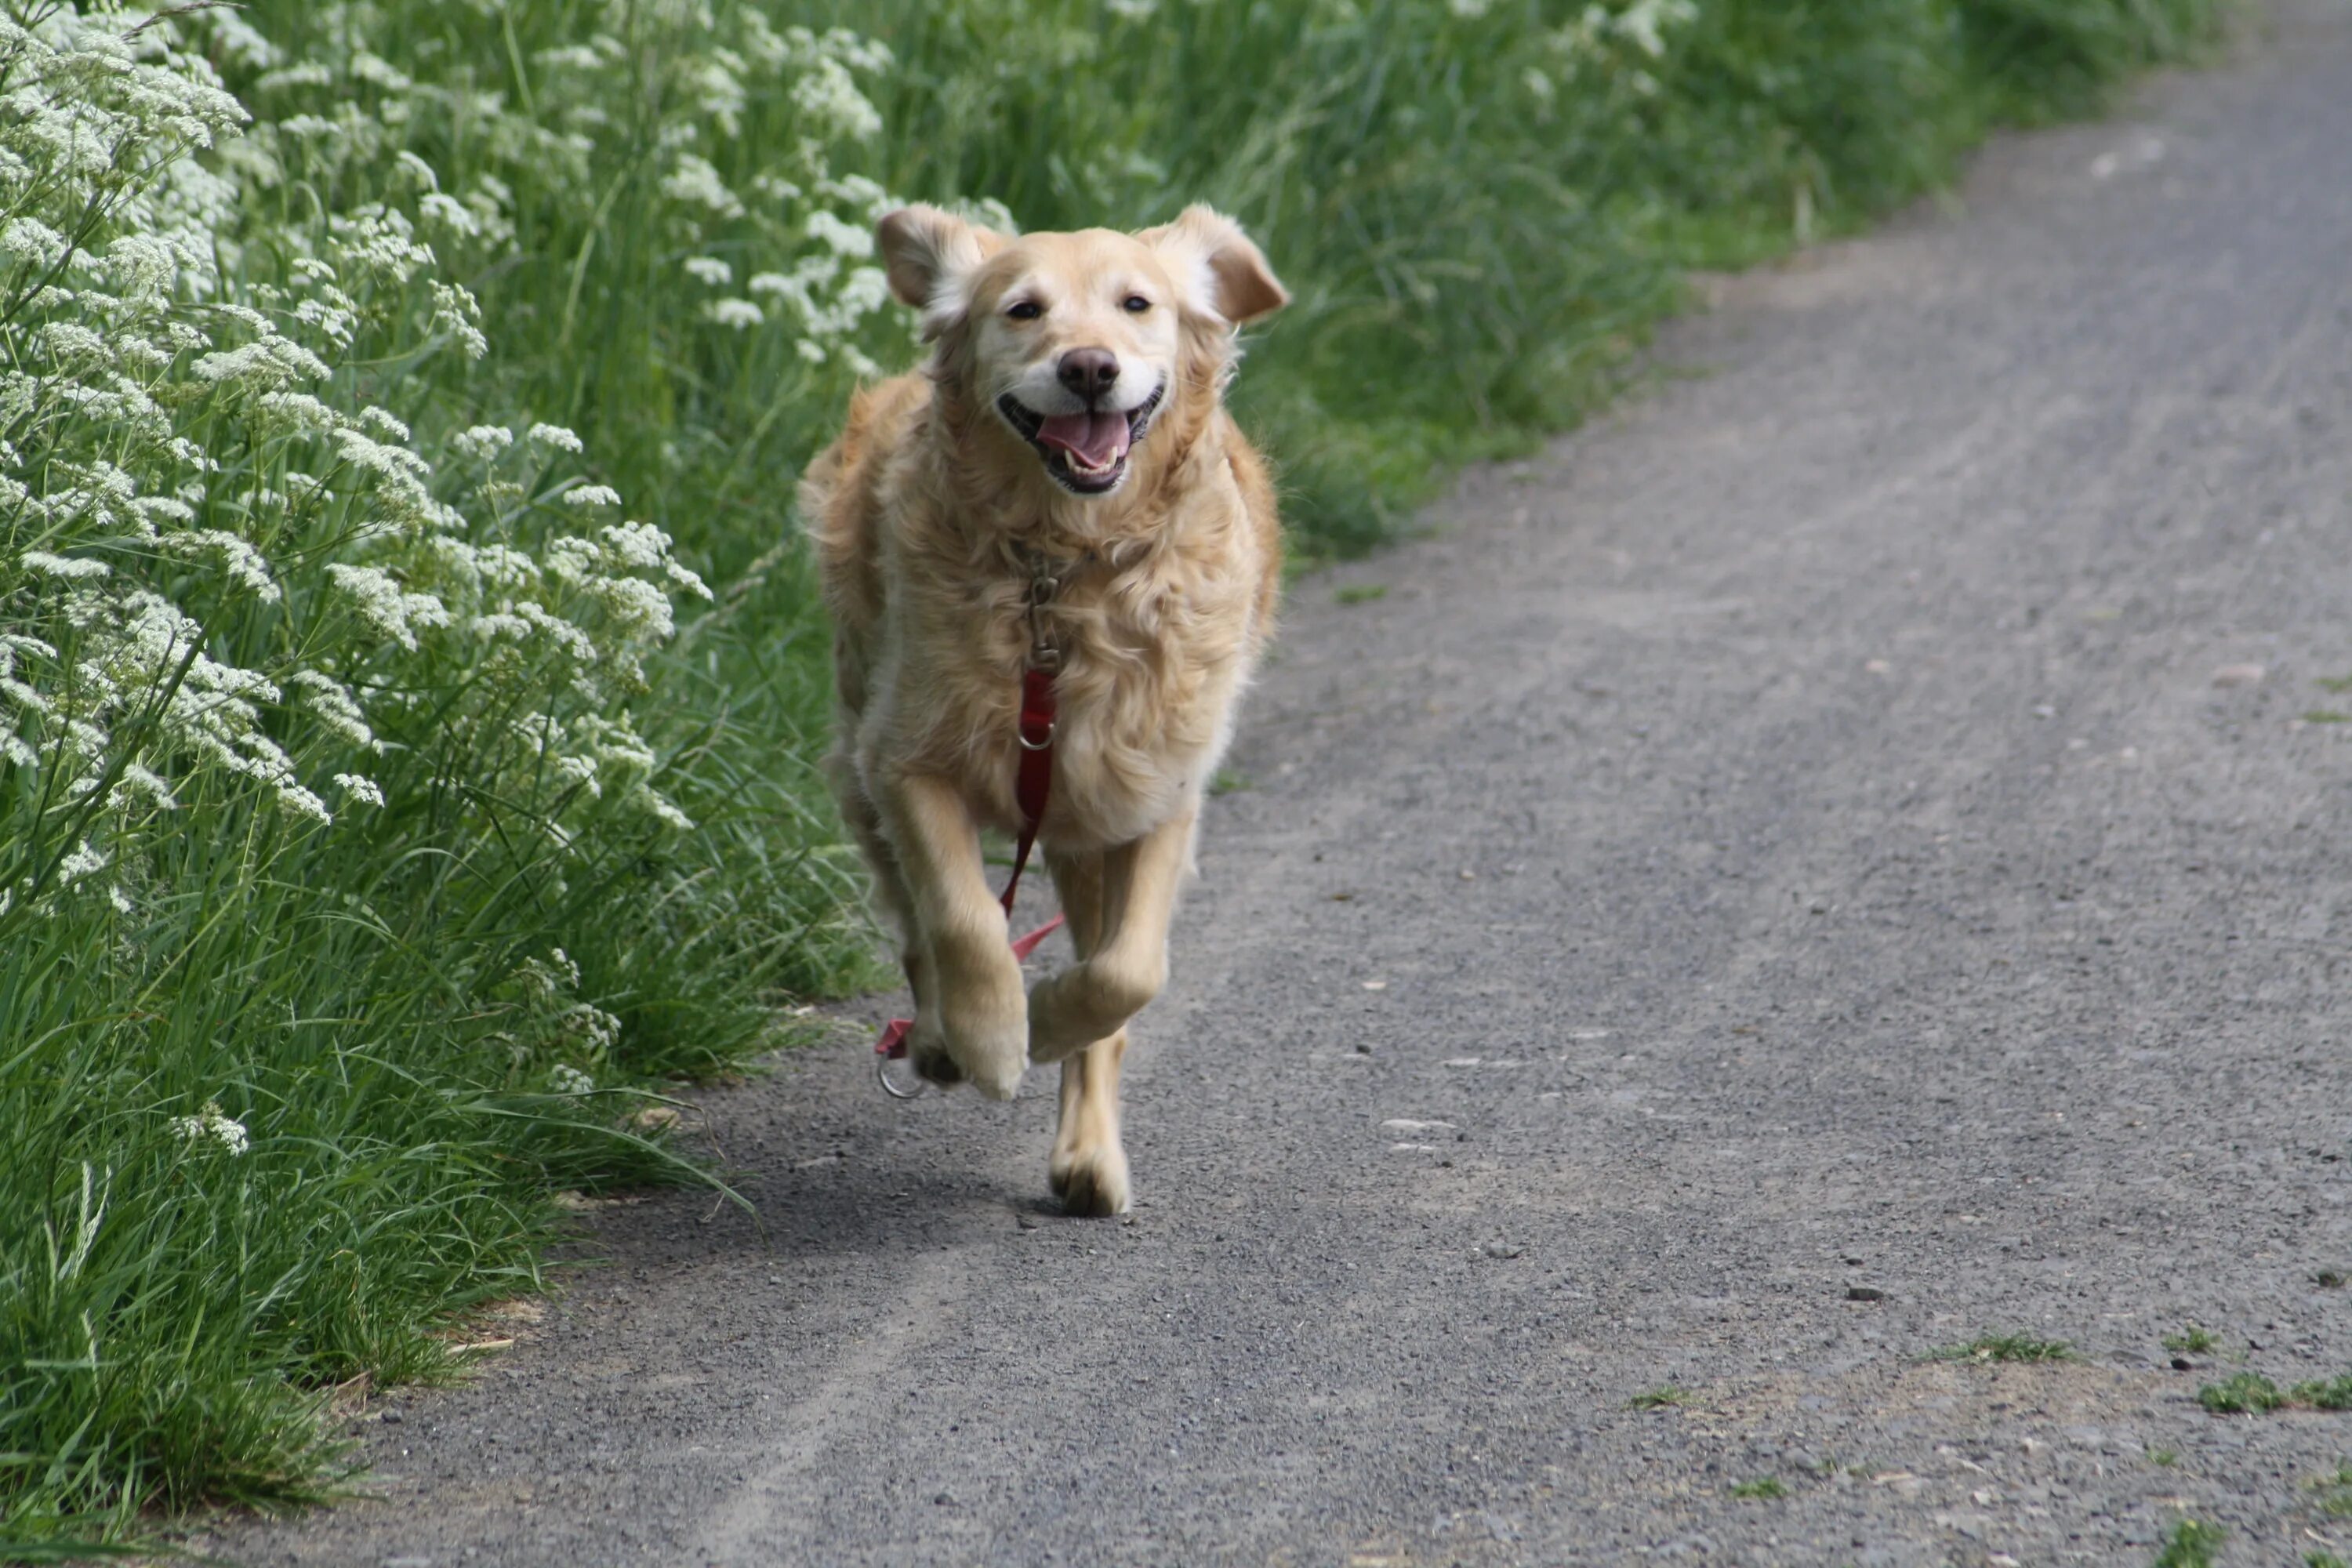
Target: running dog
x,y
1052,539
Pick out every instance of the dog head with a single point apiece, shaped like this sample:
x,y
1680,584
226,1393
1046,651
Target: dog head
x,y
1076,343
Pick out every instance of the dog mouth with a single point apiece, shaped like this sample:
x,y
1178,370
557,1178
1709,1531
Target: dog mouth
x,y
1085,453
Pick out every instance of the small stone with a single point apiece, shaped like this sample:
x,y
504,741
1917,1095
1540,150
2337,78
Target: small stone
x,y
1024,1222
2231,675
1503,1249
945,1500
392,1417
1864,1293
1376,985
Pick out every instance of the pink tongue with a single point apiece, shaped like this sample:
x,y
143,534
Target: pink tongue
x,y
1097,439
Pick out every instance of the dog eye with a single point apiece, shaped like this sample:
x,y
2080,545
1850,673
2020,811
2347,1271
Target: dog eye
x,y
1026,311
1137,303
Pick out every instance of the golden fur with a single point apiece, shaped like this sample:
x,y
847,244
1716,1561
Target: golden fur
x,y
931,515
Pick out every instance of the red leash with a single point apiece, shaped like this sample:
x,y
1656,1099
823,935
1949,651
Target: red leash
x,y
1033,785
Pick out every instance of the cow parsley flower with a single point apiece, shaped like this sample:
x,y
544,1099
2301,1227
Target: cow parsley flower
x,y
483,441
360,788
212,1124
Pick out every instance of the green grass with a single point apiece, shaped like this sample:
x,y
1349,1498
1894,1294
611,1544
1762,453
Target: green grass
x,y
2243,1394
1476,259
1361,593
1665,1396
1762,1488
2252,1394
2164,1459
2023,1348
2193,1544
2190,1340
2335,1493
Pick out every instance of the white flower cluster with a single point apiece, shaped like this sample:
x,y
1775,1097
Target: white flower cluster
x,y
802,228
187,464
211,1125
1621,43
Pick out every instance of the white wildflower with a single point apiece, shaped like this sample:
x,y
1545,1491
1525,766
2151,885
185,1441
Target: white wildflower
x,y
26,239
449,211
660,807
137,781
416,169
337,709
592,495
384,606
360,788
570,1080
828,97
557,437
483,441
80,568
709,270
80,862
738,314
213,1123
246,566
841,237
637,543
694,181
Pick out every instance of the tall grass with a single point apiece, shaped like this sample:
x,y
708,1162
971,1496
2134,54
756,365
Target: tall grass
x,y
379,802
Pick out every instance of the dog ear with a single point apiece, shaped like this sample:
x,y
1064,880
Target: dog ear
x,y
931,256
1219,272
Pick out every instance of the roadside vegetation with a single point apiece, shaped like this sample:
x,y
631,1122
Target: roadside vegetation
x,y
409,683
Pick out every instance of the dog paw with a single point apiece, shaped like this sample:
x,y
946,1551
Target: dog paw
x,y
1091,1181
989,1056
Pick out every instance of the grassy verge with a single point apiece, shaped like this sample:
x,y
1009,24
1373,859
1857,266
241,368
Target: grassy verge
x,y
382,804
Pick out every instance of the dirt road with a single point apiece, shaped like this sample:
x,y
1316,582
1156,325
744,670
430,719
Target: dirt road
x,y
1848,856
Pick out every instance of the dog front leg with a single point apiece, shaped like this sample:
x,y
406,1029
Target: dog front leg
x,y
1089,1168
971,1019
1128,963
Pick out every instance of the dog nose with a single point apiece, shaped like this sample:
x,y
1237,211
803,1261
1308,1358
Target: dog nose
x,y
1089,373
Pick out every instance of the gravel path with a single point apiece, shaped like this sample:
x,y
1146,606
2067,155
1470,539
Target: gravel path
x,y
1834,861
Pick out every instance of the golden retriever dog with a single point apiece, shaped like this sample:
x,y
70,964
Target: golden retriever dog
x,y
1059,489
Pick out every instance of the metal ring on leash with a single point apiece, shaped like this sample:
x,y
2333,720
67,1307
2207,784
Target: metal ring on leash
x,y
882,1077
